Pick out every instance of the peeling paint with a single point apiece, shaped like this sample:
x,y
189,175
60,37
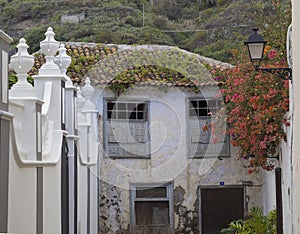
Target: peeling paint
x,y
110,220
187,219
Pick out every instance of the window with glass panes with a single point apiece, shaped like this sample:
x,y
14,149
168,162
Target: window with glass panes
x,y
152,208
126,110
203,107
201,113
126,128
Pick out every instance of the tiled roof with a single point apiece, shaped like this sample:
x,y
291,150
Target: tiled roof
x,y
142,65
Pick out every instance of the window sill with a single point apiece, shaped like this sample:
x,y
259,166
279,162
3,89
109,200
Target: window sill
x,y
128,156
208,156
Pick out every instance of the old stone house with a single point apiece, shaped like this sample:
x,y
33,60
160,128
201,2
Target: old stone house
x,y
159,169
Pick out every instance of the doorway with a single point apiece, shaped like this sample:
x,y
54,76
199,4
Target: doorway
x,y
219,205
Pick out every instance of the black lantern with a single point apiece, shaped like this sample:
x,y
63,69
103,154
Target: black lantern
x,y
256,46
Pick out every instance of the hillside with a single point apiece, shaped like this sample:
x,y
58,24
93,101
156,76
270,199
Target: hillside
x,y
213,28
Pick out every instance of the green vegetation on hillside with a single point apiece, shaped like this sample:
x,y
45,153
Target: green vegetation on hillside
x,y
213,28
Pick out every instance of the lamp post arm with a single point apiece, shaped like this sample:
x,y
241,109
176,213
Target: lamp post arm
x,y
284,73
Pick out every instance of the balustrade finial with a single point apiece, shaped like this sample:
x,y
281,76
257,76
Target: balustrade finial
x,y
63,61
87,92
22,62
49,47
87,89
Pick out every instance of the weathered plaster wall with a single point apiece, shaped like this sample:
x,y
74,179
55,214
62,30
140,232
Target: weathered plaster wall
x,y
169,162
296,115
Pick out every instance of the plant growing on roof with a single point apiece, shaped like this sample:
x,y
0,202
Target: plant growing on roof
x,y
150,75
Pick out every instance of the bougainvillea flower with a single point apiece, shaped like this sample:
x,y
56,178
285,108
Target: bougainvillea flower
x,y
272,54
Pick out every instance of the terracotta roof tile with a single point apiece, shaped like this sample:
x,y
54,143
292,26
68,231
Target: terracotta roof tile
x,y
89,59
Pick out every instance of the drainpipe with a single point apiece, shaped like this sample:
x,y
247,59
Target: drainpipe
x,y
278,200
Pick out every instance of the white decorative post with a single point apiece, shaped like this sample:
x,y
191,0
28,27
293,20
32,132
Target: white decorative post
x,y
22,62
88,173
49,47
50,72
50,83
29,147
89,147
23,94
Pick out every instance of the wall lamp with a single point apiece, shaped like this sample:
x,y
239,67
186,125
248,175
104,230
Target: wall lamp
x,y
256,45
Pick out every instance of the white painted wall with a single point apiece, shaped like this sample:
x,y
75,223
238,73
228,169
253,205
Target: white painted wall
x,y
82,199
22,198
287,182
269,191
24,163
296,117
52,199
24,158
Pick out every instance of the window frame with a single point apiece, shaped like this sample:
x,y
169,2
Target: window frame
x,y
106,134
169,197
189,134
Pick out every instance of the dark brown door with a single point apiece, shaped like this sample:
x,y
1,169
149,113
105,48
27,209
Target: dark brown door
x,y
219,206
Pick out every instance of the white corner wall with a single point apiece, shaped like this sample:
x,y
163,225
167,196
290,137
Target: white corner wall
x,y
52,199
296,117
22,198
269,191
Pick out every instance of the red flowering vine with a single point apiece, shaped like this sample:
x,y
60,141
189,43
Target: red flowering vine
x,y
256,105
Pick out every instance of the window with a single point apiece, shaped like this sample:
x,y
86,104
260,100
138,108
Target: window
x,y
126,129
152,208
201,114
126,110
204,108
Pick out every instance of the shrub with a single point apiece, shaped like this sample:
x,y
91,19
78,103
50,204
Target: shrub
x,y
257,223
160,22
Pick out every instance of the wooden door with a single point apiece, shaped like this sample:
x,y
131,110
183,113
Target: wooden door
x,y
219,206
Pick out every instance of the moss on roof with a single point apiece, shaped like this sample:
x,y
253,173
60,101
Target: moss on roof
x,y
87,56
